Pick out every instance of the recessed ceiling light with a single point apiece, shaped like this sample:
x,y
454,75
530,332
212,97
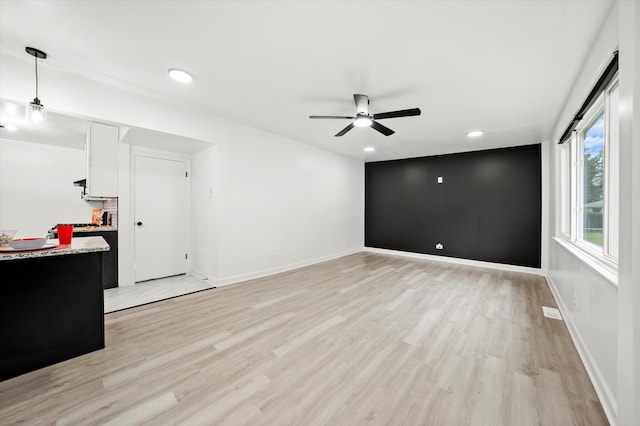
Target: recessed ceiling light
x,y
179,75
369,149
10,127
475,133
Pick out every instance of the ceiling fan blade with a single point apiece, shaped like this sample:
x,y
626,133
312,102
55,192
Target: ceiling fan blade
x,y
362,104
382,129
330,116
401,113
345,130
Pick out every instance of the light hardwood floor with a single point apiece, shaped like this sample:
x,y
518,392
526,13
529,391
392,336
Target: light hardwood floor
x,y
364,339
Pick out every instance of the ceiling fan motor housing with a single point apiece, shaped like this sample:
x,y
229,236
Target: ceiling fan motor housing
x,y
362,104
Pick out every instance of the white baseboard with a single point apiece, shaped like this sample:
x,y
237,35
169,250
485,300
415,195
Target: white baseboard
x,y
457,260
266,272
607,398
201,275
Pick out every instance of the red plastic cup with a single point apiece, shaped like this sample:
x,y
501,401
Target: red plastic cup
x,y
65,232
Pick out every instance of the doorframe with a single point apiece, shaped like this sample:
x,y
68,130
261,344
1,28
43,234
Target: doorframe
x,y
137,151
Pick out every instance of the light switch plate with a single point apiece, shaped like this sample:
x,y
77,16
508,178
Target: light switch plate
x,y
440,179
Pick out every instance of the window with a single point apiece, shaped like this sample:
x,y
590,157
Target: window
x,y
589,180
566,163
591,171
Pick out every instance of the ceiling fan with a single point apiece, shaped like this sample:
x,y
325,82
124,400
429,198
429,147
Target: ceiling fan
x,y
364,119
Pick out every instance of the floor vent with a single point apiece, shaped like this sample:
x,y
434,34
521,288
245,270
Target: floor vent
x,y
551,313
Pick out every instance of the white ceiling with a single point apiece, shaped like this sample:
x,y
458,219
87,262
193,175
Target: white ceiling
x,y
502,66
71,132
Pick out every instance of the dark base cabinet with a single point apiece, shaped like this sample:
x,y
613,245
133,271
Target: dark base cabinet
x,y
51,310
109,258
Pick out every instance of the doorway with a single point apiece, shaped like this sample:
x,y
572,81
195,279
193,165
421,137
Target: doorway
x,y
161,216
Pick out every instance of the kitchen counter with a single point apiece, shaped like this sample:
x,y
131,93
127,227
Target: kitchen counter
x,y
52,305
94,228
78,245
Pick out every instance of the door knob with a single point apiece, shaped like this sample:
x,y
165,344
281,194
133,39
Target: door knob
x,y
139,223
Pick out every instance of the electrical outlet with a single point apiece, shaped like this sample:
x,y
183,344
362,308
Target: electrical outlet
x,y
439,246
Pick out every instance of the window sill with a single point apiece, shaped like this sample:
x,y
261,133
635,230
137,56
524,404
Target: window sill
x,y
593,262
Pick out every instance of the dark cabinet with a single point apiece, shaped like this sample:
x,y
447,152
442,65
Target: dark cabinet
x,y
109,268
51,310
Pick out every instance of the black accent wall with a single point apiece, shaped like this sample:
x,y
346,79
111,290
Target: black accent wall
x,y
488,207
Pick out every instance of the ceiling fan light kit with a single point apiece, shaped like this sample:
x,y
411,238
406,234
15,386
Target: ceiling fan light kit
x,y
364,119
36,114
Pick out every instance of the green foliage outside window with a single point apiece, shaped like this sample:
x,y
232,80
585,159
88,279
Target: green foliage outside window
x,y
593,181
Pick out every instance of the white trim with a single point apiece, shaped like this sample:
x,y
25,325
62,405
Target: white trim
x,y
158,153
478,263
272,271
612,178
564,192
201,275
573,181
575,186
593,262
607,399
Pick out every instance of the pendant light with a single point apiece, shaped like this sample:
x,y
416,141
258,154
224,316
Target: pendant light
x,y
36,113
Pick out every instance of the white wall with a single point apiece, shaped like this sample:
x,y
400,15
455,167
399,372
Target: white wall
x,y
265,204
282,204
605,320
36,187
592,320
126,274
629,278
278,203
203,214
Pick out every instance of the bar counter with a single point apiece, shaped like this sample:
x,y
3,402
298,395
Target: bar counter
x,y
52,305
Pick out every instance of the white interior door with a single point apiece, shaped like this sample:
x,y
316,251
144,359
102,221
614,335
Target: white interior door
x,y
161,206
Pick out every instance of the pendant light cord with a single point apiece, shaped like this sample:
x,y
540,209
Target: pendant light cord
x,y
37,54
36,76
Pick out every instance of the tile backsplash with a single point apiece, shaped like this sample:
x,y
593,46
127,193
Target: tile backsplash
x,y
111,206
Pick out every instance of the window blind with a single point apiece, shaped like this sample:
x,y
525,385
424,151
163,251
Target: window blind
x,y
604,80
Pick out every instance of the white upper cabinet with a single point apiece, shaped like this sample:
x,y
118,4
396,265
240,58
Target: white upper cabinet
x,y
102,161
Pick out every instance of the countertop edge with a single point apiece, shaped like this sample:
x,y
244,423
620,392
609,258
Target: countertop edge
x,y
104,228
77,246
